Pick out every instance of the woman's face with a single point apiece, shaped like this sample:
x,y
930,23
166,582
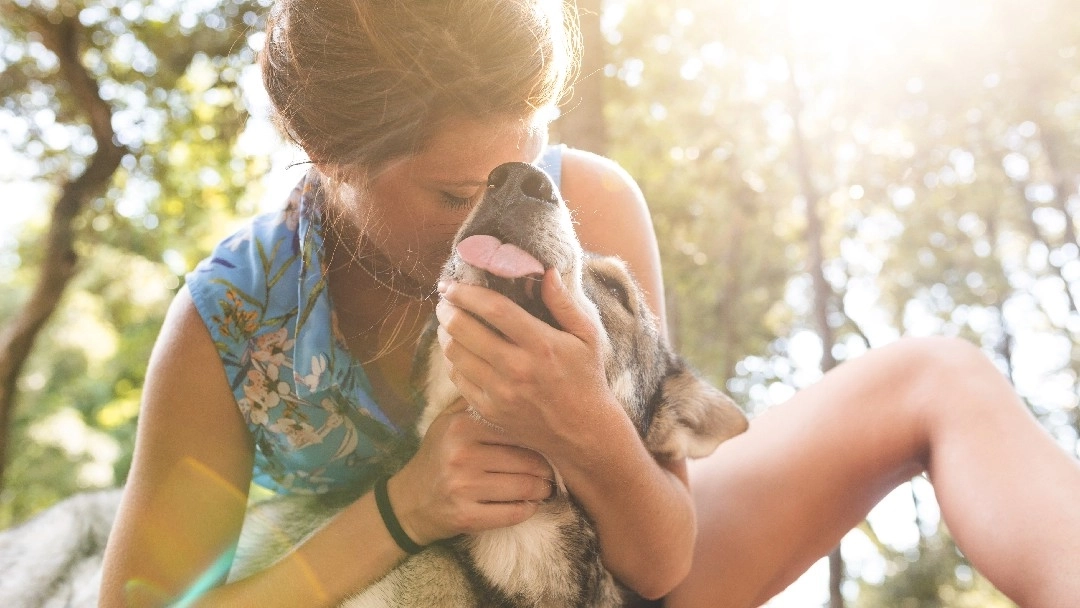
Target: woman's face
x,y
413,208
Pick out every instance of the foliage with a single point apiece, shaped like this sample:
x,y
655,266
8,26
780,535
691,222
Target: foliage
x,y
929,575
946,159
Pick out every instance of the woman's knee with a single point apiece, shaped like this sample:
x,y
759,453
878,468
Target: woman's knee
x,y
946,367
914,382
944,361
945,379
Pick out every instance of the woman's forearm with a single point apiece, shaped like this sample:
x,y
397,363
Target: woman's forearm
x,y
347,554
643,512
350,552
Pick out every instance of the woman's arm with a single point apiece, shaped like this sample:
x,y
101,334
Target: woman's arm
x,y
642,510
613,219
186,495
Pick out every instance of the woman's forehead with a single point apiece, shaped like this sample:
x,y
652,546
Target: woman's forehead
x,y
465,151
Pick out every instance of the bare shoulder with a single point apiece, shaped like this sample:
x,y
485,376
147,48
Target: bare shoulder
x,y
612,217
598,188
187,396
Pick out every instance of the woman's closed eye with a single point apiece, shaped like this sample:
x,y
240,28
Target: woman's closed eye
x,y
454,202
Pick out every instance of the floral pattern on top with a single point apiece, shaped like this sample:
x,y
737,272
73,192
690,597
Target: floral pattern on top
x,y
262,294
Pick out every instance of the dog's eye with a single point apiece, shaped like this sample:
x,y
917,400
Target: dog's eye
x,y
617,289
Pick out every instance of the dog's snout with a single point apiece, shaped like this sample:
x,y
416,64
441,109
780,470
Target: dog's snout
x,y
522,179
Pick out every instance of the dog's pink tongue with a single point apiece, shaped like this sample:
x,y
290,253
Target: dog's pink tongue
x,y
500,259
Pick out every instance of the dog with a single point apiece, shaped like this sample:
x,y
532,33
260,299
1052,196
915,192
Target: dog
x,y
520,228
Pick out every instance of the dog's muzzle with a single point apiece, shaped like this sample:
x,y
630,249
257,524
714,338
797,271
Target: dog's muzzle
x,y
497,245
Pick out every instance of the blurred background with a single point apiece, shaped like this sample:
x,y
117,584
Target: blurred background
x,y
824,178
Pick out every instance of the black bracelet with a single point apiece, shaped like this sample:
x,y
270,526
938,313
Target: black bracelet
x,y
393,526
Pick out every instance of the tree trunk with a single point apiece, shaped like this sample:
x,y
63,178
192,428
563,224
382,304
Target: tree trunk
x,y
60,261
823,294
582,122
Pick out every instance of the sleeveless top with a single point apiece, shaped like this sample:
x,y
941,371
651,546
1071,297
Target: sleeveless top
x,y
262,293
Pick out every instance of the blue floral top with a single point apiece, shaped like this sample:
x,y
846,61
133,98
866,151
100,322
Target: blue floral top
x,y
307,401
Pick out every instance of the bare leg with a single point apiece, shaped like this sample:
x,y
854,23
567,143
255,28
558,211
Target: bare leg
x,y
774,500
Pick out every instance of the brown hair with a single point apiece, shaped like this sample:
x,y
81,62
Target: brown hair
x,y
362,82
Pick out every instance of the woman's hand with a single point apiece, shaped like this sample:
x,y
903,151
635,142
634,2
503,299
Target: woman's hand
x,y
466,479
538,383
547,389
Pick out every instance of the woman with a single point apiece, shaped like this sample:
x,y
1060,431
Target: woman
x,y
285,360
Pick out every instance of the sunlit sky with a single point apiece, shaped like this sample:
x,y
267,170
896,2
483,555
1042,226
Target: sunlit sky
x,y
22,200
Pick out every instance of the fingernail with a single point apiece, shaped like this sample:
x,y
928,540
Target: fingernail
x,y
442,286
558,279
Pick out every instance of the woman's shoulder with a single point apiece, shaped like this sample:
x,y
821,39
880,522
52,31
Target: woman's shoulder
x,y
585,172
250,276
612,217
603,197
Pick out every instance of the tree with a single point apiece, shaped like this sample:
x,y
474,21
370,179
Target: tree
x,y
61,34
133,111
940,150
582,124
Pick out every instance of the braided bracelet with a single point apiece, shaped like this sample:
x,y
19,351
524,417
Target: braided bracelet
x,y
393,526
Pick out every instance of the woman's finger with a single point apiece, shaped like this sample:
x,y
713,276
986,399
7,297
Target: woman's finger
x,y
506,487
566,312
467,371
514,323
500,458
491,515
469,332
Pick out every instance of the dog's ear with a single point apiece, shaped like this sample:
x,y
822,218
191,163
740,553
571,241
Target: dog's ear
x,y
692,417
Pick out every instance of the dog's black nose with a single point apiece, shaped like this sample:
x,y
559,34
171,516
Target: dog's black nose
x,y
523,179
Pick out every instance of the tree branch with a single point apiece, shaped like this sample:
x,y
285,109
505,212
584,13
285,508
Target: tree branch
x,y
61,35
